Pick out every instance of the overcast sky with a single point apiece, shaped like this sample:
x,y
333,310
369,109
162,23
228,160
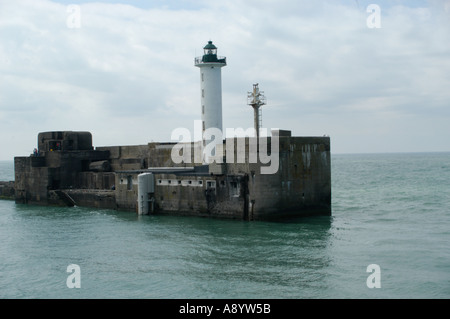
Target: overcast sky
x,y
126,73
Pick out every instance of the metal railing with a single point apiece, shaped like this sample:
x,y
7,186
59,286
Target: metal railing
x,y
220,59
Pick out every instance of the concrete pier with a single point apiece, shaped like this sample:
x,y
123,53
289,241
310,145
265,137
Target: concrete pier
x,y
67,170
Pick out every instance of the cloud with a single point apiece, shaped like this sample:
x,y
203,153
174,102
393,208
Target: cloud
x,y
128,76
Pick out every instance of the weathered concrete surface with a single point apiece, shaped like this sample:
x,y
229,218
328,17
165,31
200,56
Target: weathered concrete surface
x,y
104,199
64,141
301,186
31,183
7,190
100,166
197,194
107,178
126,157
61,162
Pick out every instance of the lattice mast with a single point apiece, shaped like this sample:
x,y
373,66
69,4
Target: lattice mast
x,y
256,99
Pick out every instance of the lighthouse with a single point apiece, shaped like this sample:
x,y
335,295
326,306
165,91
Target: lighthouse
x,y
211,91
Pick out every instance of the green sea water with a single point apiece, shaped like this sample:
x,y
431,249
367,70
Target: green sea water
x,y
391,210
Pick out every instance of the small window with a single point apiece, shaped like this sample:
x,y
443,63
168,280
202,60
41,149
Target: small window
x,y
203,93
190,182
179,182
203,109
203,78
200,182
159,181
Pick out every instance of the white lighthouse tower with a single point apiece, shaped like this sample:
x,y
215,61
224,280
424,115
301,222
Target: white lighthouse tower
x,y
211,90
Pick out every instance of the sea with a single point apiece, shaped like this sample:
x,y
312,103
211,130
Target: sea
x,y
388,238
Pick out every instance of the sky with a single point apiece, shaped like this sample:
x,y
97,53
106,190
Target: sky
x,y
374,81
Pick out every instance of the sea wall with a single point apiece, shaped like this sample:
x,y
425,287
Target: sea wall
x,y
185,194
31,180
7,190
298,184
96,198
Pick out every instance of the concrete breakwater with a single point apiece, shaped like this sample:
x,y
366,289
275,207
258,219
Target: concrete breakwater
x,y
65,169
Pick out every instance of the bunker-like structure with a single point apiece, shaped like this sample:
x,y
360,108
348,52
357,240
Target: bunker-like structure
x,y
66,170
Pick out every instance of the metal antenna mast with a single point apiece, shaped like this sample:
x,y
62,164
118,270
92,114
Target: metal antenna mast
x,y
256,99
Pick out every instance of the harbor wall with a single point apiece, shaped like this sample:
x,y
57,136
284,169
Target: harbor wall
x,y
7,190
301,186
107,177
